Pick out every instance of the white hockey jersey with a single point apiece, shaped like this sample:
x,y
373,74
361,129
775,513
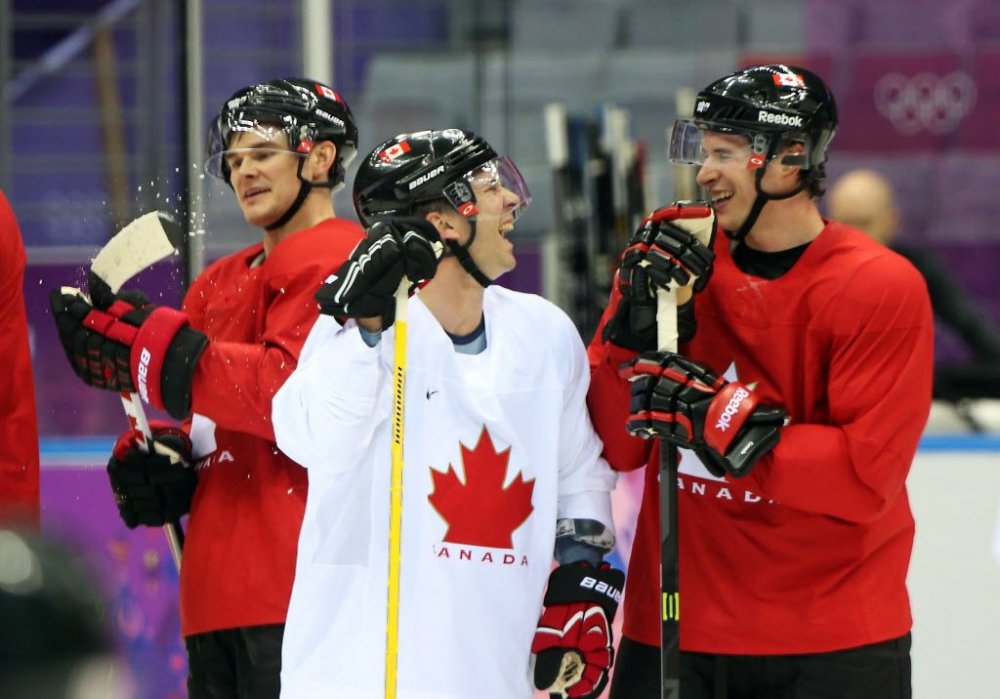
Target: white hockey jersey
x,y
497,447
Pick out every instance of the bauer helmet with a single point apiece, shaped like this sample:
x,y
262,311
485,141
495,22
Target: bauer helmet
x,y
306,111
416,168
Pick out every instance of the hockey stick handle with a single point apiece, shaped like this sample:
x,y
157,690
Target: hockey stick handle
x,y
396,488
666,320
666,331
144,439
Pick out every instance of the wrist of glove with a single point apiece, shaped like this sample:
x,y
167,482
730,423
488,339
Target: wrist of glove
x,y
573,644
632,323
666,252
365,285
685,403
152,488
130,346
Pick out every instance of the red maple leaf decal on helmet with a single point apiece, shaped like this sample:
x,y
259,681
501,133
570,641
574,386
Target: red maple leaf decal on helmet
x,y
481,511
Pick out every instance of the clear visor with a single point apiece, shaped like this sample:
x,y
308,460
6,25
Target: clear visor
x,y
495,189
263,140
703,143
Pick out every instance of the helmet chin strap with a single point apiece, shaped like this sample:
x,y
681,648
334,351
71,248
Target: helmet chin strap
x,y
461,253
305,186
758,204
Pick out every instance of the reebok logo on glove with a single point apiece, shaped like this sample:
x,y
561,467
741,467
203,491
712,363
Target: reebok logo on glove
x,y
732,408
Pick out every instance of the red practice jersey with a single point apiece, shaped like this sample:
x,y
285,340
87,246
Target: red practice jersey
x,y
239,554
18,421
809,552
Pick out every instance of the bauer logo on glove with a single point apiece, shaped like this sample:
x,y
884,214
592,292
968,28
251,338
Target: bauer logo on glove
x,y
130,346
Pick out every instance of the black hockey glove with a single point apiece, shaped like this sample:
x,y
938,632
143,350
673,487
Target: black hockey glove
x,y
130,346
573,644
683,402
365,285
153,488
664,253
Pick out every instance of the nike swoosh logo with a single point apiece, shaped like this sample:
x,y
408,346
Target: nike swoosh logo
x,y
431,393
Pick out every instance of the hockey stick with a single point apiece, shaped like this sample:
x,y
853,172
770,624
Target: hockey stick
x,y
396,488
670,597
670,631
142,243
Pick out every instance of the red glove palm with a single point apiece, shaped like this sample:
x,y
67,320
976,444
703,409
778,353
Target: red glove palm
x,y
573,642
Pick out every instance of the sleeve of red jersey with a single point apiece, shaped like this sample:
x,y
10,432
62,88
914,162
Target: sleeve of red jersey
x,y
19,476
879,394
585,480
608,401
235,382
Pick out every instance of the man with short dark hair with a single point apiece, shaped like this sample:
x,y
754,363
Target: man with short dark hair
x,y
501,464
282,147
798,399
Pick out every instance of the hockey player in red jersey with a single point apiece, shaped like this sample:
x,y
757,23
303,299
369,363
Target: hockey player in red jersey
x,y
502,465
18,422
798,405
282,147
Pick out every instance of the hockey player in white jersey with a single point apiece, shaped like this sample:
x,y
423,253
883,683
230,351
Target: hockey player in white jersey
x,y
502,465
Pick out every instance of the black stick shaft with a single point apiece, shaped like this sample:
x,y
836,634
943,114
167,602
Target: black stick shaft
x,y
670,631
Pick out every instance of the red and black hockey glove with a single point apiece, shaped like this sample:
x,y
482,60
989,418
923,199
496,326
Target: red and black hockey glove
x,y
664,253
156,487
683,402
365,285
130,346
573,644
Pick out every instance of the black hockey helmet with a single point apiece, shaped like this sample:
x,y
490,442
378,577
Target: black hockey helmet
x,y
772,105
306,111
415,168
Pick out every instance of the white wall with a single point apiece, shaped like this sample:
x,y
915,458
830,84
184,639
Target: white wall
x,y
954,579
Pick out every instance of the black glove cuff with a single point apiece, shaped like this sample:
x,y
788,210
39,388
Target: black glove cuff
x,y
579,582
178,370
618,330
687,324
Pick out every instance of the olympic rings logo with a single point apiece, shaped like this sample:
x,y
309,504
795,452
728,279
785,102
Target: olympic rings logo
x,y
925,102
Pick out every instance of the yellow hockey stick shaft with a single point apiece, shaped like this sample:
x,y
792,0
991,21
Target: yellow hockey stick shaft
x,y
396,490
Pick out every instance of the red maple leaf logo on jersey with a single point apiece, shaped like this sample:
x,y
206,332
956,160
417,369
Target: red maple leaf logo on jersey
x,y
481,511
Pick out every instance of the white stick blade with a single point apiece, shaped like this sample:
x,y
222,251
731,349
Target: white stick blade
x,y
137,246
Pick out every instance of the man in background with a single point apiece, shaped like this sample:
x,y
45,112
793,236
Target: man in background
x,y
865,199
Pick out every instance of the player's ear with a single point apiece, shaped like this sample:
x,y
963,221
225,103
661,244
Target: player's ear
x,y
445,222
323,156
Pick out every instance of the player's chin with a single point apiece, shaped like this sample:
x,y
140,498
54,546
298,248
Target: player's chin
x,y
259,217
731,220
511,262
